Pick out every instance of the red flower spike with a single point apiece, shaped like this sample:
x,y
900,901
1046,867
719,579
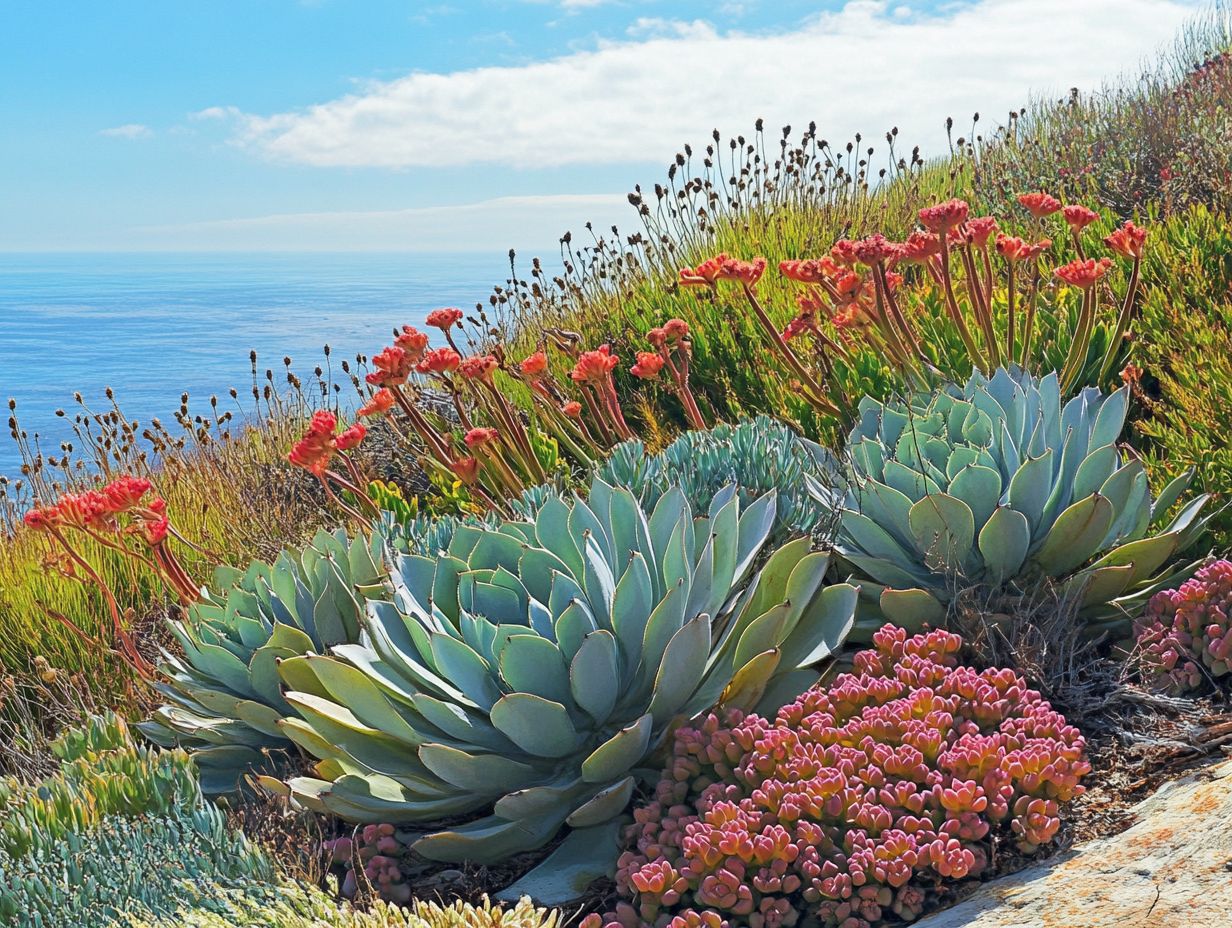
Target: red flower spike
x,y
439,361
381,402
1128,240
480,437
920,246
1078,217
944,216
979,230
648,365
675,330
594,366
351,437
393,367
1039,204
466,469
478,367
1084,274
705,274
535,366
412,341
125,493
809,270
572,409
444,319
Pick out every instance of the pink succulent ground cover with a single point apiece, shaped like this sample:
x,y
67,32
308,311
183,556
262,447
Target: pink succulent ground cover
x,y
857,804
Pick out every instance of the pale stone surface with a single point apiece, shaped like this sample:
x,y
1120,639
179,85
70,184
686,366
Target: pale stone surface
x,y
1169,870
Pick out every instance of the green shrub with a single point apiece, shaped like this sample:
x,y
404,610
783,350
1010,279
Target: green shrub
x,y
1184,351
300,907
120,829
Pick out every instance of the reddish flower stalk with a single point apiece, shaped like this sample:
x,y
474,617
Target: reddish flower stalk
x,y
319,446
673,352
593,373
1085,275
108,516
1127,241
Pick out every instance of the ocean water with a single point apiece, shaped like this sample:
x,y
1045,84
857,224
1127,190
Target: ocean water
x,y
152,326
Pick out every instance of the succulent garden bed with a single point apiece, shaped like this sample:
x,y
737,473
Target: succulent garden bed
x,y
587,635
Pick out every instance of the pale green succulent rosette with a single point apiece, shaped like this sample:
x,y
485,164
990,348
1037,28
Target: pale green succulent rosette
x,y
530,673
225,695
998,483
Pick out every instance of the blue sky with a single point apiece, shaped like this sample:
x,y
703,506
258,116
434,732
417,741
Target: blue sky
x,y
376,124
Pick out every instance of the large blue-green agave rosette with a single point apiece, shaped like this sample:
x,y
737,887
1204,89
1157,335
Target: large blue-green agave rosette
x,y
521,683
998,483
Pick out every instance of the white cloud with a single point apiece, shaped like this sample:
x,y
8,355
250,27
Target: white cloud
x,y
131,130
859,69
528,222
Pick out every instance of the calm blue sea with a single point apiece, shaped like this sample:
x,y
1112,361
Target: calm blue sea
x,y
154,325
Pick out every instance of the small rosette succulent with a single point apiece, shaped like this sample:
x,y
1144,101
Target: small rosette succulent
x,y
998,482
225,694
758,455
529,673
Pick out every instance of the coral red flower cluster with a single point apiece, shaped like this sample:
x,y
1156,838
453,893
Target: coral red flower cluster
x,y
595,367
393,365
1084,274
444,319
316,449
857,804
723,267
97,510
1185,635
382,402
1127,241
1039,204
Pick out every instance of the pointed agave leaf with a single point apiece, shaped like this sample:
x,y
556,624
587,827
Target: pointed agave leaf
x,y
486,774
1075,536
748,683
586,855
620,753
980,488
538,726
1146,555
912,609
1101,585
1004,543
679,673
595,678
824,625
461,724
354,689
632,604
607,804
530,664
1029,488
544,799
944,529
488,841
463,667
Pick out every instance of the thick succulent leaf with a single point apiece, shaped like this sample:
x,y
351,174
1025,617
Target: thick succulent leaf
x,y
748,683
1093,473
487,841
1004,543
607,804
1030,488
463,667
681,670
538,726
912,609
341,728
462,724
980,488
586,855
354,689
545,799
486,774
1100,585
530,664
1146,555
620,753
595,677
632,605
824,625
944,529
1075,536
